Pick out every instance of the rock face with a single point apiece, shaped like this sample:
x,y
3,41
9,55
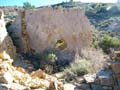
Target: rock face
x,y
16,78
6,44
50,28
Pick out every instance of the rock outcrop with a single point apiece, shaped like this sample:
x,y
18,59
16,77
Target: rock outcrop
x,y
6,44
48,27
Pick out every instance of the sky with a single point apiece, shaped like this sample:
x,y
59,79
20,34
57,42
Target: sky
x,y
45,2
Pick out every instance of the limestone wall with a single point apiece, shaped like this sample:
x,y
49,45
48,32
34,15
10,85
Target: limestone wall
x,y
46,26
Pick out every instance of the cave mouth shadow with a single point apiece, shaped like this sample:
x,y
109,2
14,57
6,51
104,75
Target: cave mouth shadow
x,y
50,58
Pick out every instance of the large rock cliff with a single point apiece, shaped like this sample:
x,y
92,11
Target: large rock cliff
x,y
44,28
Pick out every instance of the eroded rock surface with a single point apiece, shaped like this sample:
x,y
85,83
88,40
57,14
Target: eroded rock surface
x,y
47,26
6,44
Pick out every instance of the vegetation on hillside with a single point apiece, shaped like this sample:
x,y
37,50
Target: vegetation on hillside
x,y
27,5
108,42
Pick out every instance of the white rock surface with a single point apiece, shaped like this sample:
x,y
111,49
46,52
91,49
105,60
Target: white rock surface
x,y
90,78
69,87
7,77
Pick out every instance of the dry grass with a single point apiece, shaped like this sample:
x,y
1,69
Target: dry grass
x,y
96,57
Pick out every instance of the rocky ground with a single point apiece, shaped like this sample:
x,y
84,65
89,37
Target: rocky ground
x,y
105,79
17,78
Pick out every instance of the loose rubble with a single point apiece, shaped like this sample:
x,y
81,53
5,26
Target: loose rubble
x,y
105,79
15,78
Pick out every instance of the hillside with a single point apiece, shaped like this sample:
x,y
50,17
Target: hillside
x,y
104,17
10,12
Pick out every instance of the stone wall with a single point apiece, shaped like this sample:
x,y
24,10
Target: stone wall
x,y
6,44
46,27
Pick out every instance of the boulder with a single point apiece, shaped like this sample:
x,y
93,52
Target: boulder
x,y
69,86
39,73
20,69
90,78
6,78
3,87
59,75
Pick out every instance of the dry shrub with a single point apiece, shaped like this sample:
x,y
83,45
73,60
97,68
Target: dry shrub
x,y
78,68
96,57
81,67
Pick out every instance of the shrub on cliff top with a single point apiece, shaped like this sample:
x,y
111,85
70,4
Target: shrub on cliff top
x,y
27,5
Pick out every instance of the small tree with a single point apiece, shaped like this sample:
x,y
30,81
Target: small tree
x,y
71,0
27,5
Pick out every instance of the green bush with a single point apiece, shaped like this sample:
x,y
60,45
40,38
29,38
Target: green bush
x,y
78,68
81,67
27,5
47,62
108,42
